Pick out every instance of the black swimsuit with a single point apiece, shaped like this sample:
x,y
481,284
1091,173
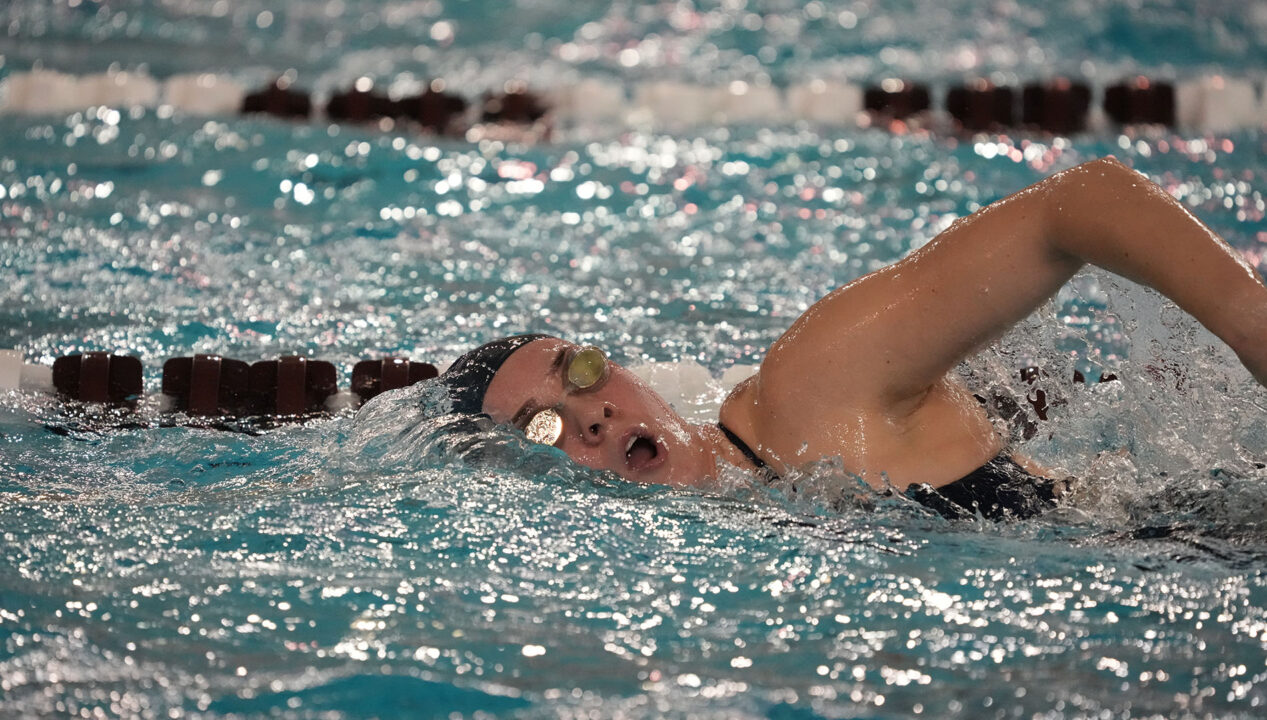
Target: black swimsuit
x,y
998,490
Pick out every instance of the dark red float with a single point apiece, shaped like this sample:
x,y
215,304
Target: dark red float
x,y
1058,106
519,107
437,111
896,99
361,103
982,105
98,377
278,100
291,385
1141,101
371,377
207,385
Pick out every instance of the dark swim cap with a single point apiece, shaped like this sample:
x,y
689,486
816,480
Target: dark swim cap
x,y
467,379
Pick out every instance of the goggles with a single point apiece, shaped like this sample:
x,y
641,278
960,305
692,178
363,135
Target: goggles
x,y
586,369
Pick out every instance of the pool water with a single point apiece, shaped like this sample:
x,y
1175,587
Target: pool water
x,y
373,566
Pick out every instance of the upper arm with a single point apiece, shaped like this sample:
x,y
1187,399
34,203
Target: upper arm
x,y
889,336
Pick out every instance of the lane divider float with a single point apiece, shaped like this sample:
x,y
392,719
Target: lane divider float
x,y
206,385
1059,105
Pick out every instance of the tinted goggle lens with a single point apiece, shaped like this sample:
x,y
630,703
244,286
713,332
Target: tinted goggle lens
x,y
546,427
587,369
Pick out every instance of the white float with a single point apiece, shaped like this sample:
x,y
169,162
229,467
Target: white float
x,y
744,103
18,375
10,369
674,104
42,92
204,94
589,100
118,90
1216,104
826,102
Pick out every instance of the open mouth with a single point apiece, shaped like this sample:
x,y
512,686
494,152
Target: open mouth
x,y
642,452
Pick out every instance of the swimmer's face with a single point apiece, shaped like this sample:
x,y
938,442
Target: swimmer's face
x,y
618,424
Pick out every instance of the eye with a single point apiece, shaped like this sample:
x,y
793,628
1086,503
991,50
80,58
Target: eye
x,y
546,427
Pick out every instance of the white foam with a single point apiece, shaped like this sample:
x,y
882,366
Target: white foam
x,y
686,385
689,388
826,103
1216,104
342,400
204,94
736,374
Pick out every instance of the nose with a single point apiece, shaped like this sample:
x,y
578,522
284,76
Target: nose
x,y
591,418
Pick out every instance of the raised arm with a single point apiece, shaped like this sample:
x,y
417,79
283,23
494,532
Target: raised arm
x,y
888,337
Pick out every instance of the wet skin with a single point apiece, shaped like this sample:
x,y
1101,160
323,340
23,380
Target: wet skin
x,y
620,425
866,374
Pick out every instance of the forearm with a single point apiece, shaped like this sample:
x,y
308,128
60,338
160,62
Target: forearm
x,y
1106,214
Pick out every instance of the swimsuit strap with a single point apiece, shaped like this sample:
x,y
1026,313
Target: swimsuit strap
x,y
735,440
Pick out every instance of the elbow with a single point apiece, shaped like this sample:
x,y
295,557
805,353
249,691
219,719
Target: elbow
x,y
1083,202
1086,186
1096,173
1108,161
1110,174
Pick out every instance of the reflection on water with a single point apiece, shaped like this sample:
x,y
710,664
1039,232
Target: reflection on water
x,y
383,565
379,563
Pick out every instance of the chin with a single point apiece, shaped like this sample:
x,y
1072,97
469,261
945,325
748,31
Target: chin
x,y
686,470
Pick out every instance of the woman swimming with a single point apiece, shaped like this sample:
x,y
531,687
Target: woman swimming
x,y
865,373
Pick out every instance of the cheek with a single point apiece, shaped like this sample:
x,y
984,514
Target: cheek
x,y
668,418
679,432
635,393
671,426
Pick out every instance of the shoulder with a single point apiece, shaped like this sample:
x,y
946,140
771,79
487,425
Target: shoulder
x,y
939,435
782,420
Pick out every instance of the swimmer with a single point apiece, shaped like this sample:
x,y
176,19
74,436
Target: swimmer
x,y
865,375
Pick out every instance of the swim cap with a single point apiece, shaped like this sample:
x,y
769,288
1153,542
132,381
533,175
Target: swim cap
x,y
467,379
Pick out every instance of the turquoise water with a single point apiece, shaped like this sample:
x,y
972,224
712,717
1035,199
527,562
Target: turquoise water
x,y
372,566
